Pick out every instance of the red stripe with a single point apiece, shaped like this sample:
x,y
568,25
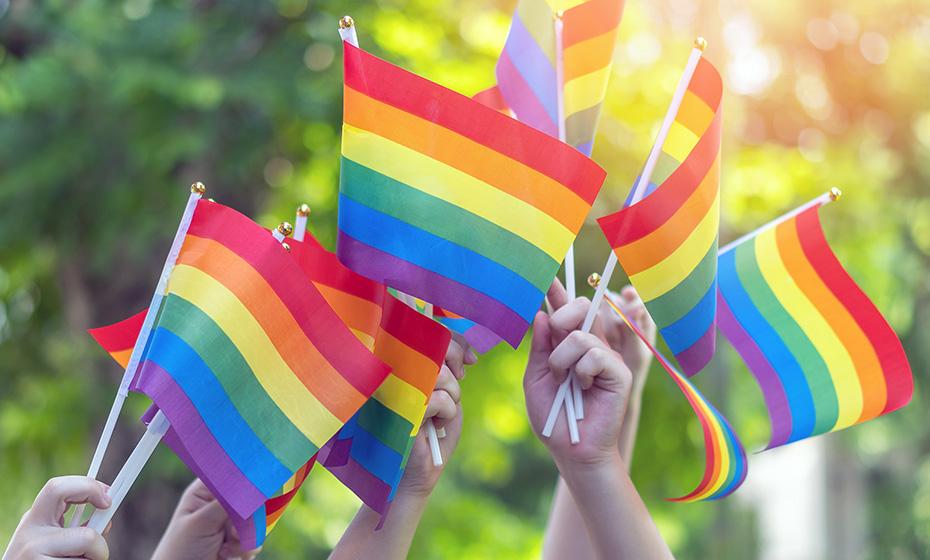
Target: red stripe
x,y
321,265
415,330
318,321
272,505
418,96
591,19
898,378
492,98
119,336
652,212
707,84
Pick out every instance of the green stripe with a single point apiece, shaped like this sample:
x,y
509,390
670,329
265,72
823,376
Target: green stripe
x,y
677,302
665,166
390,428
447,221
812,364
580,126
198,330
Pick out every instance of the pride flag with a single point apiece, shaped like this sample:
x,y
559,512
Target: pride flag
x,y
119,338
370,452
452,202
527,68
821,351
725,464
667,242
251,366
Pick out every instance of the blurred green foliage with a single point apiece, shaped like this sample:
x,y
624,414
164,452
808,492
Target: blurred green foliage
x,y
108,109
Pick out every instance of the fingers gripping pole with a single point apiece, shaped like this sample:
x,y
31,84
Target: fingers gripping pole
x,y
433,438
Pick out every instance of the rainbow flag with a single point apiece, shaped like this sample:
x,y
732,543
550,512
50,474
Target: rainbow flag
x,y
478,337
725,464
248,362
667,242
822,353
447,200
370,452
526,71
119,338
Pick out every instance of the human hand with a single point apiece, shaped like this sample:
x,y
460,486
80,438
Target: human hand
x,y
200,529
41,533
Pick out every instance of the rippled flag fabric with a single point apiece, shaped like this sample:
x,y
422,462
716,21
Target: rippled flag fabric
x,y
667,242
447,200
370,452
821,351
526,70
248,362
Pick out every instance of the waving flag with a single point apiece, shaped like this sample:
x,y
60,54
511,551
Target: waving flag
x,y
667,242
821,351
449,201
526,71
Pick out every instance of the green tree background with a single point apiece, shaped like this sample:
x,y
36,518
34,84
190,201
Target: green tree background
x,y
109,109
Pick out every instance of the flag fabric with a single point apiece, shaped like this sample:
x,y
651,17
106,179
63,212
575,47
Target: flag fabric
x,y
478,337
251,366
526,70
447,200
119,338
370,452
822,353
667,241
725,464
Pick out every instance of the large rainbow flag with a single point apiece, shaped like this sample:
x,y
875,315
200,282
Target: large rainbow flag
x,y
452,202
251,366
527,78
667,241
821,351
725,464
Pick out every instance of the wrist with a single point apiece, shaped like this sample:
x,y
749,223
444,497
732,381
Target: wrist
x,y
576,468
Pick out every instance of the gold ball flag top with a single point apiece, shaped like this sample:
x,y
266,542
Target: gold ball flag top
x,y
835,194
594,279
700,43
346,22
198,188
303,210
285,228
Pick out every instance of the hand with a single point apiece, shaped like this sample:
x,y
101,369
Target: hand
x,y
558,348
200,529
41,533
623,340
445,411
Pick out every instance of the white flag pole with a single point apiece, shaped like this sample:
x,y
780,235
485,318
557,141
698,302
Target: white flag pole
x,y
197,192
300,221
639,191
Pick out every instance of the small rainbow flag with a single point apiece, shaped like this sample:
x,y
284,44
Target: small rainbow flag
x,y
526,70
725,464
370,452
667,242
119,338
248,362
449,201
821,351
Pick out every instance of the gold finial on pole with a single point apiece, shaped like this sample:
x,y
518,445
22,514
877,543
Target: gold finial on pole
x,y
559,14
285,229
345,22
594,279
198,188
700,43
835,194
303,210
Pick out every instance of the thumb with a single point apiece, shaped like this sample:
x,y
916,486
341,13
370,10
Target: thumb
x,y
540,348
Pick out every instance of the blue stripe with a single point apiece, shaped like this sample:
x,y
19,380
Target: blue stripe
x,y
683,333
376,457
218,413
800,400
460,326
259,519
586,148
438,255
530,60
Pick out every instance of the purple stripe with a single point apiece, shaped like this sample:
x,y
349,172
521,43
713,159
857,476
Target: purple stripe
x,y
481,339
772,389
220,473
373,491
534,66
695,357
434,288
518,95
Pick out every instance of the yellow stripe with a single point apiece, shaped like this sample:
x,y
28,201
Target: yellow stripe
x,y
694,113
403,398
586,91
455,187
815,326
536,16
679,142
557,5
673,269
364,337
287,391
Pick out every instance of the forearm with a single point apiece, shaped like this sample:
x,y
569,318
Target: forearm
x,y
630,427
616,517
392,541
566,532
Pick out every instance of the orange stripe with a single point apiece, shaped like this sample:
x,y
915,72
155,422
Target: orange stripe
x,y
297,351
122,356
408,364
868,368
694,114
359,314
589,55
646,252
466,155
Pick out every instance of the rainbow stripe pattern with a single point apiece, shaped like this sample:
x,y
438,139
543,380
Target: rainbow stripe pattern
x,y
725,464
667,242
119,338
822,353
478,337
248,362
526,70
370,452
452,202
